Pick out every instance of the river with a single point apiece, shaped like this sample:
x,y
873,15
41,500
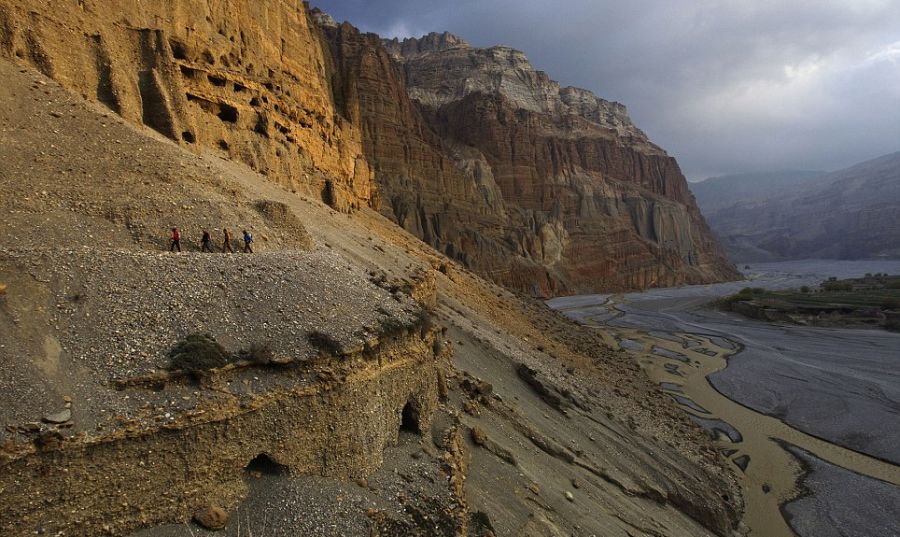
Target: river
x,y
809,416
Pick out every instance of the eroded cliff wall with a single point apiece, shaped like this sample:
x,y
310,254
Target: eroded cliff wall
x,y
614,208
247,78
545,189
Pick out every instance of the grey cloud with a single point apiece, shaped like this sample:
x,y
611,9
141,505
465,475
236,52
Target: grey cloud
x,y
724,85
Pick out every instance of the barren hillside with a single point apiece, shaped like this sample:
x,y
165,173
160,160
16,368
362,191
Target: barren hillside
x,y
345,379
110,440
847,214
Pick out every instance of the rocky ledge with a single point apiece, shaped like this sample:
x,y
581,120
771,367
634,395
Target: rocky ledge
x,y
110,416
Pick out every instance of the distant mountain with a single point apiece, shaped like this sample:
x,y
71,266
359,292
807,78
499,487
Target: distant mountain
x,y
849,214
717,193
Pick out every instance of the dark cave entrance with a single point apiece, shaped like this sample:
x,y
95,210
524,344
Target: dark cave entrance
x,y
228,113
263,464
409,418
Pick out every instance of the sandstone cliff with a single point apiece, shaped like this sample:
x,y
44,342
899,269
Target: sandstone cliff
x,y
246,78
589,202
546,189
362,421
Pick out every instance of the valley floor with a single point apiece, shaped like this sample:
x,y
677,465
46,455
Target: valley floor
x,y
808,415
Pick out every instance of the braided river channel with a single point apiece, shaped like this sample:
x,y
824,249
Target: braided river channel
x,y
809,416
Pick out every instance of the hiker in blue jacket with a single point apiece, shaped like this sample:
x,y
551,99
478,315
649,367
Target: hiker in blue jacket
x,y
248,242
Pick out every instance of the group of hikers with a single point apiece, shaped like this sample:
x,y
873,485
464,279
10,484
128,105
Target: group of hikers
x,y
206,241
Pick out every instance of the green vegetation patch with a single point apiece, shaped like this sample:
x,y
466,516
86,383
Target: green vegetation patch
x,y
873,299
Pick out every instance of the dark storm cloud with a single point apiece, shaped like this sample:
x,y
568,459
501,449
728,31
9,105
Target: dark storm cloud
x,y
725,86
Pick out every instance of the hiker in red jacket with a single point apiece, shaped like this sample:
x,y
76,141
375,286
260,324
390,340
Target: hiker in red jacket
x,y
176,240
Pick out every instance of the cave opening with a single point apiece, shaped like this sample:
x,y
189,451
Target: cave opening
x,y
216,81
263,464
228,113
409,418
179,51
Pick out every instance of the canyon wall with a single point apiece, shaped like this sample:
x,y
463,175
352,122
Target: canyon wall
x,y
246,78
587,201
545,189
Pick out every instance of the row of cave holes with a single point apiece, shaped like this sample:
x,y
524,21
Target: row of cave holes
x,y
263,463
179,51
229,114
220,82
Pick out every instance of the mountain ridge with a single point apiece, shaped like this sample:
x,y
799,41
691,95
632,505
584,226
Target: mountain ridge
x,y
846,214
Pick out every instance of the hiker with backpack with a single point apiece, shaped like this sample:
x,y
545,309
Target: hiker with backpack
x,y
206,242
248,242
226,246
176,240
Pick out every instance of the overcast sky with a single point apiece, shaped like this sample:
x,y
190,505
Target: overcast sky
x,y
724,86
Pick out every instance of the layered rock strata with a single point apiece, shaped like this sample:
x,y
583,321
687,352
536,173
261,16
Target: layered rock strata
x,y
569,196
91,304
246,78
142,443
546,189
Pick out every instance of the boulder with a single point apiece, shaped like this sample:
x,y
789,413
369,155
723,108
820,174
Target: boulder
x,y
211,517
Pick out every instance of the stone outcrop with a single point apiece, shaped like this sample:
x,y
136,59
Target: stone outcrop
x,y
145,446
246,78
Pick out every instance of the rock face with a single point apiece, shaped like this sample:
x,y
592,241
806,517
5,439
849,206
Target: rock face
x,y
585,201
246,78
849,214
545,189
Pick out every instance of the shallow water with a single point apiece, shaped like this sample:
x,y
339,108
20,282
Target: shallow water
x,y
832,393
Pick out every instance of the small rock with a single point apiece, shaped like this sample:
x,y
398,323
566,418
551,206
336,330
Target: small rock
x,y
534,488
211,517
362,483
478,436
62,416
576,483
484,388
569,496
2,288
